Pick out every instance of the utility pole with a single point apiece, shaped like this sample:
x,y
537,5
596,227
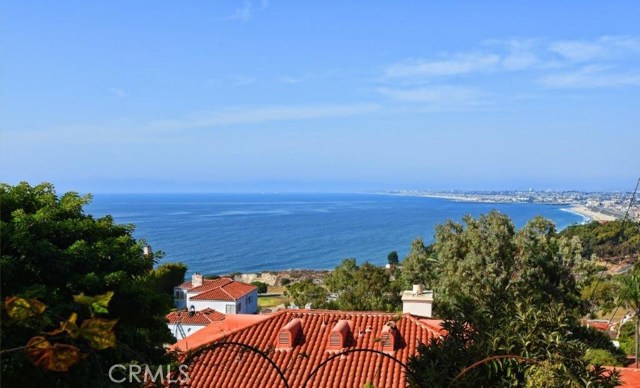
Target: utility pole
x,y
637,310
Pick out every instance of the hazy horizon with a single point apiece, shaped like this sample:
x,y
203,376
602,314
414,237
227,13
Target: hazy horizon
x,y
251,96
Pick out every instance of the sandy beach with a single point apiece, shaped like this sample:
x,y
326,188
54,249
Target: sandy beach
x,y
596,216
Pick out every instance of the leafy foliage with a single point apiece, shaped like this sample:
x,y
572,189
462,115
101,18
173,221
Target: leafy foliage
x,y
417,267
363,287
167,275
536,343
392,258
511,301
50,251
607,240
96,333
306,291
602,292
21,308
261,286
601,357
486,262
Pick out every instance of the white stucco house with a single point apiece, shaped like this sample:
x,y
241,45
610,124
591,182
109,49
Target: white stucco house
x,y
191,322
224,295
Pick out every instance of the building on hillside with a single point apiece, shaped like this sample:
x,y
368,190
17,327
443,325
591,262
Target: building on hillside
x,y
223,294
300,341
602,325
183,323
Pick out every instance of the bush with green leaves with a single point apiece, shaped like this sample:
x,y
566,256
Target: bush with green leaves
x,y
511,303
52,250
261,286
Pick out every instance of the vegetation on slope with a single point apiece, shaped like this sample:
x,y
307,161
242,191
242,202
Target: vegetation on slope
x,y
51,251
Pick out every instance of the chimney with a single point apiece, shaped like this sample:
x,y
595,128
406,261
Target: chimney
x,y
288,334
196,279
417,302
339,335
389,337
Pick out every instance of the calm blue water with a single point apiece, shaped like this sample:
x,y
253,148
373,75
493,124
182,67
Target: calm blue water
x,y
223,233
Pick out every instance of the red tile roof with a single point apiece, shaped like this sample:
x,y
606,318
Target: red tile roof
x,y
232,367
203,317
227,291
602,326
207,284
216,330
629,377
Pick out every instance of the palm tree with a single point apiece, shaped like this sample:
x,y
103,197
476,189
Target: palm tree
x,y
630,298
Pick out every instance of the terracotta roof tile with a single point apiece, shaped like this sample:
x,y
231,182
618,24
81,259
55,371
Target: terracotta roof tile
x,y
203,317
230,367
217,330
227,291
209,284
629,377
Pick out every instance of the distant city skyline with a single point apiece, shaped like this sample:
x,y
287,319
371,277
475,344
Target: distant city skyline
x,y
250,96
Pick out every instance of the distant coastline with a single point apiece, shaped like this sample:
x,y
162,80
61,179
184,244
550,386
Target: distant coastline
x,y
590,214
575,202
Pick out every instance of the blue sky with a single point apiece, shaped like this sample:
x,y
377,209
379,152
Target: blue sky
x,y
320,96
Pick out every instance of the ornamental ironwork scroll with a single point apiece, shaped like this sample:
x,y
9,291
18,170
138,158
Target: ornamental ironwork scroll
x,y
191,357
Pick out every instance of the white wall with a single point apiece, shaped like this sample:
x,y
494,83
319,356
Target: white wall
x,y
248,304
218,305
422,309
188,329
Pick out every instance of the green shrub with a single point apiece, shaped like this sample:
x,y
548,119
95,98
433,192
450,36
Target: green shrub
x,y
262,287
601,357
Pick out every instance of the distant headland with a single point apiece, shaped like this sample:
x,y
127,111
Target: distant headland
x,y
597,206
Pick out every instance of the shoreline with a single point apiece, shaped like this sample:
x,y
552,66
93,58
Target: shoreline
x,y
455,198
589,214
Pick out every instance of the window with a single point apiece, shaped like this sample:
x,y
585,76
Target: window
x,y
248,300
239,307
229,309
178,294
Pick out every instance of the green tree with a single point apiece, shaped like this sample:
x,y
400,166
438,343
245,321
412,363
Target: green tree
x,y
602,292
306,291
262,286
392,258
51,250
630,298
168,275
525,346
512,304
417,267
487,262
608,240
601,357
363,287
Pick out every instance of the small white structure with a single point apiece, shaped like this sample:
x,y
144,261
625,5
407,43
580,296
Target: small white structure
x,y
223,294
418,301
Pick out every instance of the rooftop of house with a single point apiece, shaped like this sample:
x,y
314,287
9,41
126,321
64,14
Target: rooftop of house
x,y
217,330
629,377
204,284
217,289
203,317
228,291
298,341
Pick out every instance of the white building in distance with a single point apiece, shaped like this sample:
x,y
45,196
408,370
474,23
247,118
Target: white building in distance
x,y
224,295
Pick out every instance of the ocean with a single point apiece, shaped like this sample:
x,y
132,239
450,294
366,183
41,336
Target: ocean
x,y
225,233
